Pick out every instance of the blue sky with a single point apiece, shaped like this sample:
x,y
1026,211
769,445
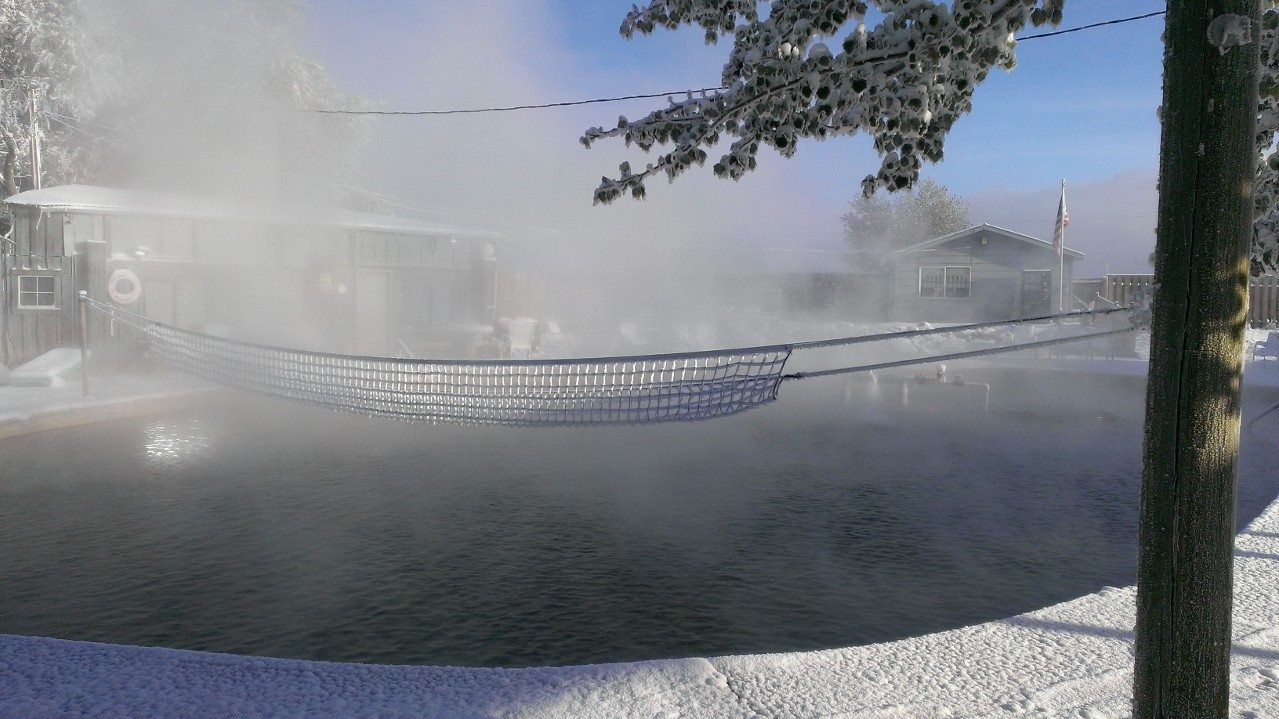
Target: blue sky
x,y
1079,107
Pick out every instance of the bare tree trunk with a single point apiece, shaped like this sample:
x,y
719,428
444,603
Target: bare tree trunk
x,y
9,183
1186,537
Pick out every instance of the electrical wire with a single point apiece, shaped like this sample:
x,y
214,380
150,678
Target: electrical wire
x,y
82,121
507,108
58,119
621,98
1104,23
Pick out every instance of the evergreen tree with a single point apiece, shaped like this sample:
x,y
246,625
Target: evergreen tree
x,y
938,211
879,224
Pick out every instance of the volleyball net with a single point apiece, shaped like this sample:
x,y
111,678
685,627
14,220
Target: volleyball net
x,y
612,390
605,390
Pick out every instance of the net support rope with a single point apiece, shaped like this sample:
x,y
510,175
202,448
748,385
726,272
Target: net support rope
x,y
602,390
956,355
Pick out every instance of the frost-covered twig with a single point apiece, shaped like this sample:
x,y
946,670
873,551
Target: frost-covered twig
x,y
1265,245
905,82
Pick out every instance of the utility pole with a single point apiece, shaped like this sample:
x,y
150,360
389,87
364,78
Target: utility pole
x,y
1207,167
32,107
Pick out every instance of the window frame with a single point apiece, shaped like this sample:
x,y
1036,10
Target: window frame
x,y
945,284
21,294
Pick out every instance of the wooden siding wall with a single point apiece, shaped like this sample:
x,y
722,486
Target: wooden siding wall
x,y
241,277
40,250
995,282
387,249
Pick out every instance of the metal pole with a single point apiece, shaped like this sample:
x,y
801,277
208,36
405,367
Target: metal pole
x,y
1061,278
84,343
1061,255
35,137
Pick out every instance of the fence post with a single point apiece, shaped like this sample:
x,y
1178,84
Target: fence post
x,y
84,343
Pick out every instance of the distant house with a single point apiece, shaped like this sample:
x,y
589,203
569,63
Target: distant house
x,y
980,273
315,277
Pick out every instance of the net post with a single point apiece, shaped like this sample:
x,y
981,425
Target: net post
x,y
83,302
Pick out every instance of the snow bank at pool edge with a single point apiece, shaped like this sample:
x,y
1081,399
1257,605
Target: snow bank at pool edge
x,y
1068,660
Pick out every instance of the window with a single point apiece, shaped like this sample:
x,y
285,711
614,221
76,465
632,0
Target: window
x,y
957,282
36,291
932,281
950,282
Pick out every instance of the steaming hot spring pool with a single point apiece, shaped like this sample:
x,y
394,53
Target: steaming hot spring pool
x,y
829,518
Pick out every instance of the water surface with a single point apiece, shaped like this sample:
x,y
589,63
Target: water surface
x,y
826,519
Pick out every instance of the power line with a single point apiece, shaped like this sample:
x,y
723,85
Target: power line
x,y
1104,23
507,108
644,96
59,119
82,121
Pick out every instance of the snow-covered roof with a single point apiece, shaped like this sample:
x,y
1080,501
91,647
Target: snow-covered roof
x,y
1036,242
116,201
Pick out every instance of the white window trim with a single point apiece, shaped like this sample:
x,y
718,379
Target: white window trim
x,y
919,289
19,304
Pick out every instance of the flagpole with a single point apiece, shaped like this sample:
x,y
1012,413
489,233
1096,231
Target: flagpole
x,y
1061,254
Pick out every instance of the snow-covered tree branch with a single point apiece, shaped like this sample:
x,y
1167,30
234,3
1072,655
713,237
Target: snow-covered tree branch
x,y
1265,245
813,69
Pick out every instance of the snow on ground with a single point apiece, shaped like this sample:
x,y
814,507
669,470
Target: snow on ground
x,y
23,403
1072,660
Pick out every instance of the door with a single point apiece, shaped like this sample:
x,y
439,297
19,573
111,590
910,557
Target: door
x,y
373,312
1036,292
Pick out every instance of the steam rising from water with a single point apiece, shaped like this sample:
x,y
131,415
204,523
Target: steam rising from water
x,y
818,521
200,97
206,106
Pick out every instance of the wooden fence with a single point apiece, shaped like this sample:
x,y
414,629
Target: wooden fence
x,y
1263,301
1263,293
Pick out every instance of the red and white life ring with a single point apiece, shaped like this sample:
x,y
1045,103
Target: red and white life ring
x,y
123,286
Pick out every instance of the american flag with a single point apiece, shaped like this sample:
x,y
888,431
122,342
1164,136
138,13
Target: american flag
x,y
1063,219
